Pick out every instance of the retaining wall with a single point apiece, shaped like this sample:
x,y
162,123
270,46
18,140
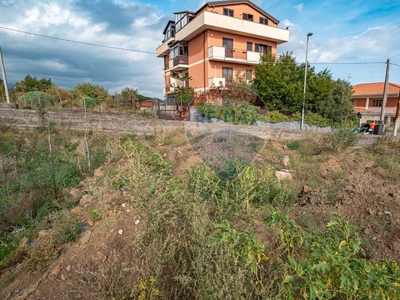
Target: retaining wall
x,y
128,123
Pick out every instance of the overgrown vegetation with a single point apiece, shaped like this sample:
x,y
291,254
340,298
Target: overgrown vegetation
x,y
32,179
198,241
203,235
34,93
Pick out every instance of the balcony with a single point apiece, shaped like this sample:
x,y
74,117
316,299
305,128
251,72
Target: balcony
x,y
216,81
178,63
208,20
377,110
233,55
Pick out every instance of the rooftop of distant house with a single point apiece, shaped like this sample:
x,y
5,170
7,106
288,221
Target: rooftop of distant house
x,y
375,88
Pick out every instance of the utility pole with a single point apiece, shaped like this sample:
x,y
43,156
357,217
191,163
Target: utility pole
x,y
396,119
385,92
305,84
3,71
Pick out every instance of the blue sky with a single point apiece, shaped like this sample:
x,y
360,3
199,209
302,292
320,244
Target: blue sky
x,y
353,39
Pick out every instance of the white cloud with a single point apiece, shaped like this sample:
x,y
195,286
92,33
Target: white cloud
x,y
299,7
116,23
287,23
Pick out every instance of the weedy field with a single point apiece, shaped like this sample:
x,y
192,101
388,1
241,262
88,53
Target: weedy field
x,y
183,215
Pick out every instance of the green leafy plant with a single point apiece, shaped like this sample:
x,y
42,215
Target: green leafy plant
x,y
276,117
330,264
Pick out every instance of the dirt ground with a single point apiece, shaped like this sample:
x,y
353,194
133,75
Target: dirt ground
x,y
353,186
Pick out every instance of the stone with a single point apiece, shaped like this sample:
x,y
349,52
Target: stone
x,y
282,175
56,271
68,268
76,210
72,194
98,172
24,242
285,161
86,199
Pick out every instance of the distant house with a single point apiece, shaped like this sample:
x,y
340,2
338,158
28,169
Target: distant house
x,y
368,98
216,43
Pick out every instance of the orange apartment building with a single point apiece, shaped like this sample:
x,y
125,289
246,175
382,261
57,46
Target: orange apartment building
x,y
367,99
216,43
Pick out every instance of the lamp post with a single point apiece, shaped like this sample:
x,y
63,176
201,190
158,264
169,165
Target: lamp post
x,y
305,84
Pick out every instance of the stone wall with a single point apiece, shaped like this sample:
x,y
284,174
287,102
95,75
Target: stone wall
x,y
128,123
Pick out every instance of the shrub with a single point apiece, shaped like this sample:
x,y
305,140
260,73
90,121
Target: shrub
x,y
329,264
314,119
37,99
231,111
276,117
340,139
90,102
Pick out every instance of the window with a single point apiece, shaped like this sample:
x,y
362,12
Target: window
x,y
249,74
227,73
228,44
180,49
181,20
248,17
228,12
170,33
263,21
249,46
377,103
263,49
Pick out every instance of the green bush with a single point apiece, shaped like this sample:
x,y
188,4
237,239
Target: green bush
x,y
340,139
36,99
276,117
314,119
90,102
231,111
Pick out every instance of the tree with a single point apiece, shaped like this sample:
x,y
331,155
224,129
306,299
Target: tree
x,y
129,98
32,84
96,92
183,92
278,82
337,106
141,98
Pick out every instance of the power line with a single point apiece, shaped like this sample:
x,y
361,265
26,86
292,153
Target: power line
x,y
347,63
76,42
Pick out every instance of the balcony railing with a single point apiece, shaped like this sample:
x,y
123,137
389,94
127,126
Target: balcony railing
x,y
233,54
180,60
178,63
388,110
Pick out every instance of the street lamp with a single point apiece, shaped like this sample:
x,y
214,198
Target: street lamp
x,y
305,84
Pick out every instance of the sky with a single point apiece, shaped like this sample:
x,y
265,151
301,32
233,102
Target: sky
x,y
352,39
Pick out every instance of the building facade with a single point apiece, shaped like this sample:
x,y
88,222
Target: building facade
x,y
367,99
216,44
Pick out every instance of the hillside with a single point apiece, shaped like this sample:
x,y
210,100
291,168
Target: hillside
x,y
182,215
